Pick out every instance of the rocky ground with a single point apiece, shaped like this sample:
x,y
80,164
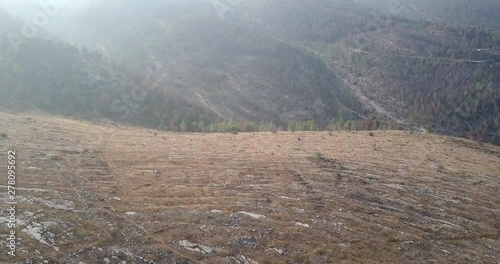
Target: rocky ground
x,y
105,193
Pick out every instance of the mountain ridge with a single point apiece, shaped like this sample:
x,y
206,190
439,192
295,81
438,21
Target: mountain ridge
x,y
324,61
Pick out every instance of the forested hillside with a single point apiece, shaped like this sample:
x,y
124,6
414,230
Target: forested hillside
x,y
239,71
411,64
435,75
481,14
68,80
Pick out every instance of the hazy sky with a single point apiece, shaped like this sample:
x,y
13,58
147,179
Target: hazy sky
x,y
23,8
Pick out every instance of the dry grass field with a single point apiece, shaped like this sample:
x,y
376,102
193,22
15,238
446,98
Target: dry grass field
x,y
91,193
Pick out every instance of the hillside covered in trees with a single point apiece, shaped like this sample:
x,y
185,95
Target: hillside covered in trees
x,y
270,64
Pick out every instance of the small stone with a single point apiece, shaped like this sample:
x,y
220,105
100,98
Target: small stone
x,y
256,216
301,224
279,251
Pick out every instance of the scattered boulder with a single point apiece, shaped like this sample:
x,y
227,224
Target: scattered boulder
x,y
243,260
256,216
301,224
247,241
197,247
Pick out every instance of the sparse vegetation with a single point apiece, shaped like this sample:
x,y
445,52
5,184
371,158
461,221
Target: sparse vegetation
x,y
302,126
318,156
106,188
3,135
428,129
55,157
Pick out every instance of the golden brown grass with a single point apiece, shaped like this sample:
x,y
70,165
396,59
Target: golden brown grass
x,y
394,197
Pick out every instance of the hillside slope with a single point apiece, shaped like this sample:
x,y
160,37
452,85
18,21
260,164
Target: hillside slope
x,y
90,192
417,72
270,61
240,71
481,14
74,81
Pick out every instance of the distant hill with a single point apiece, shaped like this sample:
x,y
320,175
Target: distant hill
x,y
413,65
481,13
68,80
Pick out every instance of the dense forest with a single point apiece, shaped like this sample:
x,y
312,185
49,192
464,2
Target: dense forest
x,y
423,73
437,80
480,14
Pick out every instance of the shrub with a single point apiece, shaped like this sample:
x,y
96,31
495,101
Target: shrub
x,y
428,129
55,157
318,156
3,135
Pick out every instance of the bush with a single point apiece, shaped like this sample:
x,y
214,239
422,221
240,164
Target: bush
x,y
318,156
55,157
3,135
428,129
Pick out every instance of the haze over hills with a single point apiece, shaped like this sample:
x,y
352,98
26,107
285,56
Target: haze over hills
x,y
406,64
483,14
